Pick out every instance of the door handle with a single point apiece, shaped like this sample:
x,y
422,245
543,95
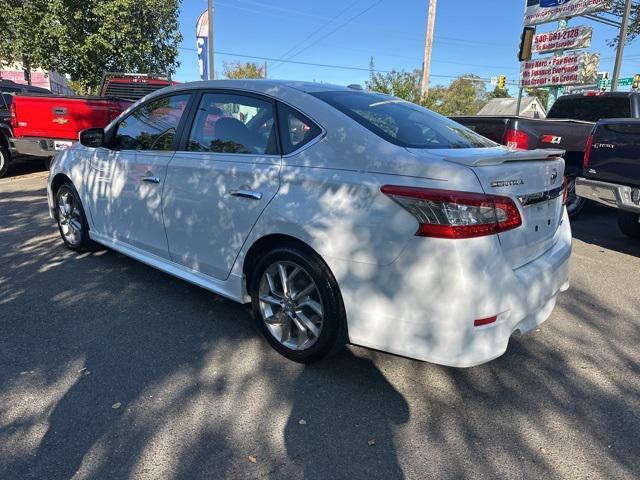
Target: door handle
x,y
150,179
246,194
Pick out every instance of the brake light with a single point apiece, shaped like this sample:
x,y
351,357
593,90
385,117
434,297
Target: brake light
x,y
452,214
565,190
587,152
516,139
13,116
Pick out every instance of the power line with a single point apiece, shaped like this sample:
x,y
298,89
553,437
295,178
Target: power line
x,y
319,29
327,65
375,4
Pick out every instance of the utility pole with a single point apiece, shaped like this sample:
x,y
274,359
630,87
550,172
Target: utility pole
x,y
554,92
621,41
210,49
428,44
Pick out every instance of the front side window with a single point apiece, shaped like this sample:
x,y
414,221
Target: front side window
x,y
403,123
230,123
152,126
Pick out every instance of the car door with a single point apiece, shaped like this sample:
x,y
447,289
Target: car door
x,y
126,180
221,179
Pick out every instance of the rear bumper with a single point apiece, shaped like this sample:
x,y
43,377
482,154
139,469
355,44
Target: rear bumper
x,y
424,305
610,194
37,147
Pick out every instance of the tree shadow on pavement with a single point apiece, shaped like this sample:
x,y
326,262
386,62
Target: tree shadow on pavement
x,y
598,226
199,394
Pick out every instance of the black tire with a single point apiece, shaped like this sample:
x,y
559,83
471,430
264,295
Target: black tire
x,y
5,158
80,241
333,333
575,204
629,224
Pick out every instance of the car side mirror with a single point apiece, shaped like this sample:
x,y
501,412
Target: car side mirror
x,y
92,137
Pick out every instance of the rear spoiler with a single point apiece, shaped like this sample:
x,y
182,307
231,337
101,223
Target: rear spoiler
x,y
508,155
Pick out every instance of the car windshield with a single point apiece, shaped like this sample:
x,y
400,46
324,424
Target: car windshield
x,y
403,123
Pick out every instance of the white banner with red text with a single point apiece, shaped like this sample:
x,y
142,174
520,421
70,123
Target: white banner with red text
x,y
571,69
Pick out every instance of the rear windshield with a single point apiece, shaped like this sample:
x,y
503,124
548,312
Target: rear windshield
x,y
403,123
591,109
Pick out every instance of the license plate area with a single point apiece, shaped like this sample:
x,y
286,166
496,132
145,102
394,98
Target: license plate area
x,y
61,144
542,218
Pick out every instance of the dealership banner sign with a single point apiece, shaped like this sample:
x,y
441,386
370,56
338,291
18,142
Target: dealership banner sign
x,y
567,39
202,44
572,69
542,11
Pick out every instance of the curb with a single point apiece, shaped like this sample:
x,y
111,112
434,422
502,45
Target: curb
x,y
29,176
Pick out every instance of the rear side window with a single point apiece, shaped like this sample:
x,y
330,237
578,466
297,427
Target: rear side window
x,y
153,126
591,109
296,130
630,128
230,123
403,123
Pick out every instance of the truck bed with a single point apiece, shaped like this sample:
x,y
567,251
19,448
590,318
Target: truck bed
x,y
564,134
62,117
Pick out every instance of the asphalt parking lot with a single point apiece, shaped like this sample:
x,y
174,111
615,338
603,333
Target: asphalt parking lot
x,y
110,369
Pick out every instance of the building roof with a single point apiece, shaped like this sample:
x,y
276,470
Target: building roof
x,y
507,106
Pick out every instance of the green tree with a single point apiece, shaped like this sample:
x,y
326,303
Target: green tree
x,y
84,38
465,96
28,34
542,94
499,93
238,70
401,84
634,21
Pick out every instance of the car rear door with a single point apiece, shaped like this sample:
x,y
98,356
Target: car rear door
x,y
125,181
221,179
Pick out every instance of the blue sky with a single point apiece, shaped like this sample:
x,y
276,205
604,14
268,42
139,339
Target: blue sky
x,y
471,36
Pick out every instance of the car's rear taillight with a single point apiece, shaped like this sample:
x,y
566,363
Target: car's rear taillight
x,y
516,139
452,214
565,190
13,116
587,152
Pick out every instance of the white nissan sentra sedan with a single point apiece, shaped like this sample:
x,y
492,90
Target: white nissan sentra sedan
x,y
343,216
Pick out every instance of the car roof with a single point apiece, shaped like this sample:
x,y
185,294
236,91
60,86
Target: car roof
x,y
262,85
597,95
22,86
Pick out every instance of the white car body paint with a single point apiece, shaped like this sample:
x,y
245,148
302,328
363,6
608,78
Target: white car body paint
x,y
408,295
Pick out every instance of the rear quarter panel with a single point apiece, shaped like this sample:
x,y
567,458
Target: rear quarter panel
x,y
615,155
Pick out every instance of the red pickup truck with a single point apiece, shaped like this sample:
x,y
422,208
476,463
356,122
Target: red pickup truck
x,y
41,124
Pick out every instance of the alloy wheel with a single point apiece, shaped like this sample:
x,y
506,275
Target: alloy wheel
x,y
69,218
290,305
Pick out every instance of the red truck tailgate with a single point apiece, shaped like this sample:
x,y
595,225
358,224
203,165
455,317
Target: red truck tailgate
x,y
62,117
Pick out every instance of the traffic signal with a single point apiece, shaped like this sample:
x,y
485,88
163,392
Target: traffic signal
x,y
526,43
636,82
502,82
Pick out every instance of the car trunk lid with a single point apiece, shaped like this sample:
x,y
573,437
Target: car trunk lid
x,y
533,180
